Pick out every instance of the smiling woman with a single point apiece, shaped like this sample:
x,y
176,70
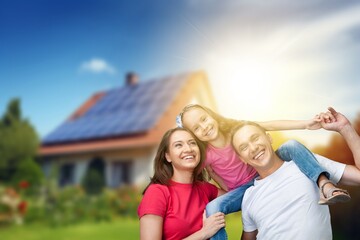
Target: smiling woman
x,y
173,203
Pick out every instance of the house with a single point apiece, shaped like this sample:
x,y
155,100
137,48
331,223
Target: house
x,y
116,132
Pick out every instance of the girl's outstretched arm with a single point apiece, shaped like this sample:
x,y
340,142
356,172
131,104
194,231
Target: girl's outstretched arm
x,y
278,125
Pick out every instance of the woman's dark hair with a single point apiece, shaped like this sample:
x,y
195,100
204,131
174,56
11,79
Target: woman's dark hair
x,y
163,170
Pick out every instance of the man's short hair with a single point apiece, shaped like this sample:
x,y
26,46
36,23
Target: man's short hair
x,y
240,125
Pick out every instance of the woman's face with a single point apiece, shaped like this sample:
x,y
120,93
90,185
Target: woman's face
x,y
183,152
201,124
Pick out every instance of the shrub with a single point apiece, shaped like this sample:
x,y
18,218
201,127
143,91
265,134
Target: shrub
x,y
126,200
28,177
93,182
35,211
12,207
71,205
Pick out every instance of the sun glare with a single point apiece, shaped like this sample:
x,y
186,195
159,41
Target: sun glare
x,y
247,84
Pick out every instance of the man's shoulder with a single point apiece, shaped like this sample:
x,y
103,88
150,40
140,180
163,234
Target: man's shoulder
x,y
273,182
248,195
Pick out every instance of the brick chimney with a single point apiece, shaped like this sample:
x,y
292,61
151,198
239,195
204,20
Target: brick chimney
x,y
131,79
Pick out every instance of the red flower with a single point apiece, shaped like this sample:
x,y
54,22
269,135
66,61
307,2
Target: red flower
x,y
22,207
24,184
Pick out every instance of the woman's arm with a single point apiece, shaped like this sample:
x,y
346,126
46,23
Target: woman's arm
x,y
217,179
211,225
151,227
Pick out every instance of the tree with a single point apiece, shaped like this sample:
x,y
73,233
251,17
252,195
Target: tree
x,y
18,140
13,113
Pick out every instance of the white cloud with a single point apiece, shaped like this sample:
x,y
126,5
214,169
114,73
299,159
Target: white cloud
x,y
318,33
97,65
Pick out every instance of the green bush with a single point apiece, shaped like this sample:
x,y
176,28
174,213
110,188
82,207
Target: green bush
x,y
125,200
28,172
35,211
72,205
93,182
65,206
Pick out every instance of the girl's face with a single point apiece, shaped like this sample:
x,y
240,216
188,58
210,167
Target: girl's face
x,y
201,124
183,152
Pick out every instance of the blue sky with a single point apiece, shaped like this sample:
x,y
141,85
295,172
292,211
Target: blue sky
x,y
264,59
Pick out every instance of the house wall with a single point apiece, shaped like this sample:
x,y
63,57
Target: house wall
x,y
52,168
143,169
127,166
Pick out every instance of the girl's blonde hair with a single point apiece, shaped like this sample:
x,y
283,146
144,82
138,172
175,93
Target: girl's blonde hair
x,y
225,124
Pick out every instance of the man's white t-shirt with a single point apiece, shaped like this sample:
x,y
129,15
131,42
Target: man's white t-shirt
x,y
285,205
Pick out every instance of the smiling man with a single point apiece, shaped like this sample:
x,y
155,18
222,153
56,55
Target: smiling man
x,y
283,203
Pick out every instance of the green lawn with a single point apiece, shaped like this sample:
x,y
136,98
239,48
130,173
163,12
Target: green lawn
x,y
123,228
89,231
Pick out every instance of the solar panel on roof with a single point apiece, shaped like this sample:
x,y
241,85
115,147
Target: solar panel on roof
x,y
121,111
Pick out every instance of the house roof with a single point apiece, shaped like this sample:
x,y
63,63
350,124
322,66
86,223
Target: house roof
x,y
129,116
120,111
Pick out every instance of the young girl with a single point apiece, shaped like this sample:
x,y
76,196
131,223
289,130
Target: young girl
x,y
232,175
173,203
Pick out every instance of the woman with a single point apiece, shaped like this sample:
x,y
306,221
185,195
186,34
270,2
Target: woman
x,y
173,203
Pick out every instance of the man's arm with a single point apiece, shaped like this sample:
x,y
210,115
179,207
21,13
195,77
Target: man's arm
x,y
351,174
342,125
249,235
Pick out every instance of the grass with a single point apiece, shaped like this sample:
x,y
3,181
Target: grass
x,y
122,228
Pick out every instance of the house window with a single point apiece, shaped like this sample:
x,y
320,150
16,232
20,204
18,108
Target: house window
x,y
66,174
121,173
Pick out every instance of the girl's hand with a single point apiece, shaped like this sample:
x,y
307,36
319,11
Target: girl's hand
x,y
320,119
313,124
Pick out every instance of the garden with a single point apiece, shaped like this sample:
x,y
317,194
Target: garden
x,y
70,213
35,207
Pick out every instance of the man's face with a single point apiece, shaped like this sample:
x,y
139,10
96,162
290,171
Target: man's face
x,y
253,146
